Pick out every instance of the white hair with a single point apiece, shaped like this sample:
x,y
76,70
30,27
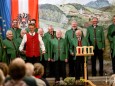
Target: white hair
x,y
29,69
23,30
40,29
58,30
18,60
8,31
78,31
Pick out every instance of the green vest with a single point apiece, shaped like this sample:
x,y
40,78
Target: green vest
x,y
96,37
59,49
113,54
74,44
16,33
11,49
110,34
70,34
3,56
49,36
19,40
47,49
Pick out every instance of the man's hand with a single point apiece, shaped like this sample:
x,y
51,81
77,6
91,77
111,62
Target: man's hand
x,y
52,60
43,52
103,49
49,59
66,60
23,51
72,54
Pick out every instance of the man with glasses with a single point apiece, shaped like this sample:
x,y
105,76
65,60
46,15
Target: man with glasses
x,y
95,36
110,35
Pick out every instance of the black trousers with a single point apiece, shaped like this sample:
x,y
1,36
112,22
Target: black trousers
x,y
33,59
51,69
113,61
71,66
60,70
8,58
98,53
46,67
79,67
113,64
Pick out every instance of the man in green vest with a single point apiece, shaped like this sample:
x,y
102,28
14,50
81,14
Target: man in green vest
x,y
70,34
15,30
32,21
79,40
3,57
110,35
95,35
59,55
11,46
45,58
51,34
19,40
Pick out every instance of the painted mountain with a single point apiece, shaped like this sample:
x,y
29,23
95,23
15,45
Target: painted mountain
x,y
98,4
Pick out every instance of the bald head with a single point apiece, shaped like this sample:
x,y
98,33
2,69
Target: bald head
x,y
23,32
58,34
74,24
29,69
18,61
78,33
41,32
50,29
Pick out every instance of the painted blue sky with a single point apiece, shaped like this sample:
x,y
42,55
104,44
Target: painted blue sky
x,y
83,2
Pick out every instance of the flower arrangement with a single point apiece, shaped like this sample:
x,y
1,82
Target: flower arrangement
x,y
69,81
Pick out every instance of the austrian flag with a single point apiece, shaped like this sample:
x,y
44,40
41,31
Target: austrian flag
x,y
24,10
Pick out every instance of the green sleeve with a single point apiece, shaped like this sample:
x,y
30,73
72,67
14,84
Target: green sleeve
x,y
103,39
71,47
87,34
49,49
66,49
109,34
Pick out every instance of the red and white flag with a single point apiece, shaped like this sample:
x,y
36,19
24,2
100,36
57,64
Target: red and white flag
x,y
24,10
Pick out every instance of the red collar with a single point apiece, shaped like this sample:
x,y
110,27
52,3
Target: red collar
x,y
38,76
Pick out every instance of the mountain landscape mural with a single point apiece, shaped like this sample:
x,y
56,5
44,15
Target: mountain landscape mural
x,y
60,16
98,4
